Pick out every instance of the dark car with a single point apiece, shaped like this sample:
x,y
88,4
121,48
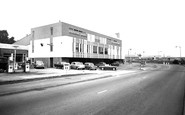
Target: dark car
x,y
101,64
104,66
61,65
39,64
116,63
90,66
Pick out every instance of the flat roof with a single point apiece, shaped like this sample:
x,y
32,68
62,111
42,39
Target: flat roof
x,y
13,46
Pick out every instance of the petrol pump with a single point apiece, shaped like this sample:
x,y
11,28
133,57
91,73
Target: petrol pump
x,y
10,64
27,65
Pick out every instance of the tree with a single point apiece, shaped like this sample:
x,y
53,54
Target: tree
x,y
4,37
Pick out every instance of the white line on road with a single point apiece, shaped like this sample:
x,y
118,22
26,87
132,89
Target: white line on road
x,y
102,91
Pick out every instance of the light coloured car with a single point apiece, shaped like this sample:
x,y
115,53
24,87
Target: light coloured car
x,y
77,65
39,64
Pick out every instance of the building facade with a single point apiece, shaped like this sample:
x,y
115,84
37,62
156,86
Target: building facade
x,y
65,42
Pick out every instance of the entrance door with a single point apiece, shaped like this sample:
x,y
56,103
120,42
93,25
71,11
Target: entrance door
x,y
51,62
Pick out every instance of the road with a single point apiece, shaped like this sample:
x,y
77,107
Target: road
x,y
156,92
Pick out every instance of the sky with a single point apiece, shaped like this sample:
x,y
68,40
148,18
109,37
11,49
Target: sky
x,y
148,27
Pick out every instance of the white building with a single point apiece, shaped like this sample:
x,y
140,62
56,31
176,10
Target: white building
x,y
64,42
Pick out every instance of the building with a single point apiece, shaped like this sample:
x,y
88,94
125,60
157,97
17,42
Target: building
x,y
65,42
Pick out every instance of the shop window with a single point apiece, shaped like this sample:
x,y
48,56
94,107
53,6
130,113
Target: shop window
x,y
106,50
77,47
81,48
95,49
88,48
100,50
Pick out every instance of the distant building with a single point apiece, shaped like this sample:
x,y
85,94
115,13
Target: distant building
x,y
65,42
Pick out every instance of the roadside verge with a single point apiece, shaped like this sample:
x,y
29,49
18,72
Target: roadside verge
x,y
36,85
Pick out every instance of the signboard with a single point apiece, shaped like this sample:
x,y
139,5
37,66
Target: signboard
x,y
77,32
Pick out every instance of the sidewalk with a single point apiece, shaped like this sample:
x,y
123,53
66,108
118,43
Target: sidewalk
x,y
48,73
18,82
53,72
39,74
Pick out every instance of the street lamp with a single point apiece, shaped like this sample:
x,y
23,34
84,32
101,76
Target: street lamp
x,y
159,53
179,49
143,53
129,54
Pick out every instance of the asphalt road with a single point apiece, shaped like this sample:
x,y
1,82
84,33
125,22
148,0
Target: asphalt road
x,y
156,92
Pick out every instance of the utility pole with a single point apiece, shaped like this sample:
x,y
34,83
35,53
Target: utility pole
x,y
179,49
129,55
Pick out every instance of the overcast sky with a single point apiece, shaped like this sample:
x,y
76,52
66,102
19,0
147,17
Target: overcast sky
x,y
152,26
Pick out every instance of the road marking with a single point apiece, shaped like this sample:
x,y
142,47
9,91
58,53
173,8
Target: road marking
x,y
102,91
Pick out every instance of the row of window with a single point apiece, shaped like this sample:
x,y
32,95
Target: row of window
x,y
95,49
97,39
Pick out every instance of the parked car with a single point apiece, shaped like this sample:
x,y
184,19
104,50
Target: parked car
x,y
90,66
61,65
116,63
39,64
101,64
77,65
104,66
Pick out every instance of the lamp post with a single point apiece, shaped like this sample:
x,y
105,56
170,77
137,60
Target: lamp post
x,y
129,54
143,53
179,49
159,53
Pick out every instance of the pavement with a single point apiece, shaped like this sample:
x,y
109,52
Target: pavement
x,y
21,82
39,74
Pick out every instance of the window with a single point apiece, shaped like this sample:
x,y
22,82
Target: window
x,y
89,37
93,38
81,48
106,50
95,49
105,41
100,50
51,30
101,40
88,48
97,39
77,47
